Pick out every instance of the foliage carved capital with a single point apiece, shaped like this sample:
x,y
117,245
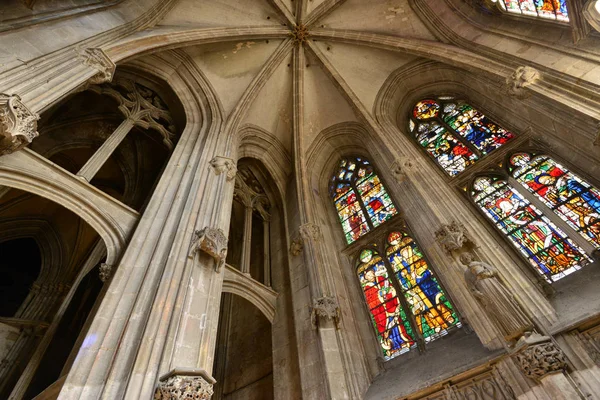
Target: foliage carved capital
x,y
326,307
538,356
297,246
401,167
311,232
105,272
98,59
18,124
452,236
224,165
213,242
521,79
176,386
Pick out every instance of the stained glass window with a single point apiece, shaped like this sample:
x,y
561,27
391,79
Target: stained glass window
x,y
547,247
361,201
405,299
569,196
432,311
551,9
455,134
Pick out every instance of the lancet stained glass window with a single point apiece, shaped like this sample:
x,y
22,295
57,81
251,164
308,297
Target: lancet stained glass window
x,y
569,196
551,9
422,313
361,201
455,134
547,247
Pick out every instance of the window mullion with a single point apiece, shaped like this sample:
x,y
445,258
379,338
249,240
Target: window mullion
x,y
407,309
575,236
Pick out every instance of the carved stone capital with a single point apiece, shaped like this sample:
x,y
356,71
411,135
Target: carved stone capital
x,y
212,242
325,307
401,166
18,124
297,246
538,356
520,79
452,236
105,272
185,385
310,232
98,59
224,165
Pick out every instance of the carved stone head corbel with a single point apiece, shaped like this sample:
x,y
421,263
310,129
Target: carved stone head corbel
x,y
212,242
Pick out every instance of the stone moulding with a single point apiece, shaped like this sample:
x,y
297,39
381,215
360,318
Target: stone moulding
x,y
538,356
224,165
325,307
185,384
213,242
98,59
18,124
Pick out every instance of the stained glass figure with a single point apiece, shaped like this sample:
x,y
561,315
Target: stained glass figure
x,y
455,134
551,9
432,311
360,198
394,332
546,246
572,198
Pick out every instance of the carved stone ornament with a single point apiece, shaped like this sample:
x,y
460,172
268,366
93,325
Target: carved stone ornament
x,y
297,246
310,231
300,34
401,167
452,236
18,124
105,271
325,307
224,165
174,386
212,242
520,79
98,59
538,356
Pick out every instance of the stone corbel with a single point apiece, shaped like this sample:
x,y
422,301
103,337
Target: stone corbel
x,y
538,356
297,246
224,165
18,124
185,384
453,237
401,166
98,59
311,232
325,307
517,83
105,272
212,242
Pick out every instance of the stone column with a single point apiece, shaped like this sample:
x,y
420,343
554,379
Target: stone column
x,y
247,241
93,165
267,251
540,359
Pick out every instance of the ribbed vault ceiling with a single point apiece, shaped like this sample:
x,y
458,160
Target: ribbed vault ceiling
x,y
265,69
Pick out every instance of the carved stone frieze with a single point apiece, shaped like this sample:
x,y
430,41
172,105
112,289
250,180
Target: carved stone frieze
x,y
311,232
521,79
297,246
224,165
538,356
212,242
18,124
325,307
105,272
184,387
401,166
452,236
98,59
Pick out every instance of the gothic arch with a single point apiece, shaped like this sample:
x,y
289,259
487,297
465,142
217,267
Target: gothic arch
x,y
262,297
